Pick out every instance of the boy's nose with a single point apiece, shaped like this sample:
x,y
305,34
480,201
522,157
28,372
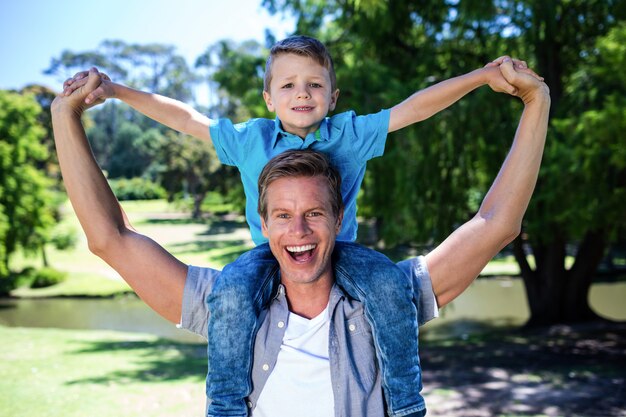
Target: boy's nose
x,y
303,93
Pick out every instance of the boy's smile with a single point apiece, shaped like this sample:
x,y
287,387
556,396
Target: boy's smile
x,y
300,93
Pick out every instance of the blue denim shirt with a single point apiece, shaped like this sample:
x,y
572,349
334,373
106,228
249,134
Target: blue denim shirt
x,y
348,140
355,374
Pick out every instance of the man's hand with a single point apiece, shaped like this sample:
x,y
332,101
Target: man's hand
x,y
497,82
527,84
98,92
76,101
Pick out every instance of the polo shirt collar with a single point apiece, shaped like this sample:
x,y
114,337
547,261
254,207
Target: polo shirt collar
x,y
322,134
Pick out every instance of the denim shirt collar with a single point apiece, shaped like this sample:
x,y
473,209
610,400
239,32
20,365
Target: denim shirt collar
x,y
320,135
336,295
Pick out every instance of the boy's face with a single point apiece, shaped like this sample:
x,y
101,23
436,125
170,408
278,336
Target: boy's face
x,y
300,93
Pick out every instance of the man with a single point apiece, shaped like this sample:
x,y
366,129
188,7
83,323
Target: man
x,y
301,227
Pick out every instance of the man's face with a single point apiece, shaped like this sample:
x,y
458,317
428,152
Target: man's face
x,y
301,229
300,93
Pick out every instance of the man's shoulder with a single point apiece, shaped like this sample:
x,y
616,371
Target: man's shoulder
x,y
198,285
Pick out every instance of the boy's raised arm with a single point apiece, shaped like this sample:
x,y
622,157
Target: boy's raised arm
x,y
155,275
169,112
429,101
458,260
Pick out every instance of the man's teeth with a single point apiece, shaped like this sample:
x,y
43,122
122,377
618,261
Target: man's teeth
x,y
303,248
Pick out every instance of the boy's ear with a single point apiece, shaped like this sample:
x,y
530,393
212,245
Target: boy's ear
x,y
333,100
268,101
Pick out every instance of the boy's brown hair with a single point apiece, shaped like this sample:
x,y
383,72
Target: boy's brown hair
x,y
303,46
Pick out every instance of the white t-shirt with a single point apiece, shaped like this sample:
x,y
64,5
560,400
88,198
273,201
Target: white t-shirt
x,y
300,383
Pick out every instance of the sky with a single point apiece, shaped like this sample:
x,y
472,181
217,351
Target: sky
x,y
32,32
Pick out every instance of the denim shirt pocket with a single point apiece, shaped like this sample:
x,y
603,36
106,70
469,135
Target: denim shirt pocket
x,y
361,350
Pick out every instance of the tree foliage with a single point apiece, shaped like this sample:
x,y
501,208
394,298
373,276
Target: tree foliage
x,y
153,67
26,206
433,174
187,167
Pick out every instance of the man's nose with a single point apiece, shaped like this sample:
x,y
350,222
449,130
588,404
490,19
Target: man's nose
x,y
300,227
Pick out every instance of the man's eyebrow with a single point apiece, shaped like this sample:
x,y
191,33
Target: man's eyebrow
x,y
277,209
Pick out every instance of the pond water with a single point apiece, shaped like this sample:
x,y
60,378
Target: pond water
x,y
487,303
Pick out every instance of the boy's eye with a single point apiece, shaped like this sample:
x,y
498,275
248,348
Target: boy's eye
x,y
288,85
315,85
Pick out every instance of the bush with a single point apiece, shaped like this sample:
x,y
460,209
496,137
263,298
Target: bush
x,y
46,277
64,237
136,189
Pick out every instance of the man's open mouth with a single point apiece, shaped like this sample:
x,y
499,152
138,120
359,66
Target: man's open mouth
x,y
301,253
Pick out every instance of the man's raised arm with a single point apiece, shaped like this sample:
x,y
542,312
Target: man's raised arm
x,y
458,260
155,275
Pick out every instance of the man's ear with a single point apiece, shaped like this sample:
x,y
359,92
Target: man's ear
x,y
268,101
339,221
333,100
264,228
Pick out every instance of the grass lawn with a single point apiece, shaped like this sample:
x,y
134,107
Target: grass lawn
x,y
213,241
210,242
70,373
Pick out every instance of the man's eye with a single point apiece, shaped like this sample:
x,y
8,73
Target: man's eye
x,y
315,214
282,216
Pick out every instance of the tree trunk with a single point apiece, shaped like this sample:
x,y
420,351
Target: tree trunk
x,y
44,256
554,293
198,198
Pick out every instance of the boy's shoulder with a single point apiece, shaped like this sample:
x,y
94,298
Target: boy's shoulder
x,y
251,129
350,115
359,123
253,123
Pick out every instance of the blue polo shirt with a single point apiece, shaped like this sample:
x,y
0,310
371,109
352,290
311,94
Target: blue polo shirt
x,y
349,141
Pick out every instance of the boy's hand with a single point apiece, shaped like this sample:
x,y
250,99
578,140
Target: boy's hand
x,y
498,82
98,92
529,86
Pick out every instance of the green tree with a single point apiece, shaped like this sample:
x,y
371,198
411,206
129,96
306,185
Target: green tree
x,y
188,167
237,70
433,174
153,67
26,206
583,185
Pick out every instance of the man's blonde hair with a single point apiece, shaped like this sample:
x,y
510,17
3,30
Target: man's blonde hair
x,y
300,163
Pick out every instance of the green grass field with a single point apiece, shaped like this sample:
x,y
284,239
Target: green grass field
x,y
71,373
213,241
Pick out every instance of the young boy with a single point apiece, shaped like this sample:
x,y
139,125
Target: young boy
x,y
300,87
